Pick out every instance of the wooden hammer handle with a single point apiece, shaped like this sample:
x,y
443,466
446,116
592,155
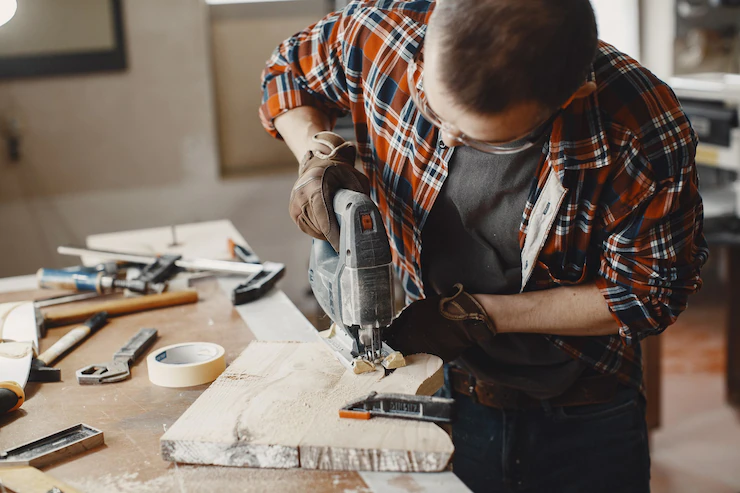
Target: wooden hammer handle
x,y
65,316
67,342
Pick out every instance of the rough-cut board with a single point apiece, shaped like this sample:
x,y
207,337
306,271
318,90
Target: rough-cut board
x,y
277,406
27,479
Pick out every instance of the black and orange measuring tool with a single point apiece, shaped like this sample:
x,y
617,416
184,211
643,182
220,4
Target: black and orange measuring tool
x,y
404,406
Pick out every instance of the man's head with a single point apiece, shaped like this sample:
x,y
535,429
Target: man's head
x,y
496,69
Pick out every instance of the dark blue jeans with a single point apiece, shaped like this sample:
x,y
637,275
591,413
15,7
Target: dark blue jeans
x,y
596,448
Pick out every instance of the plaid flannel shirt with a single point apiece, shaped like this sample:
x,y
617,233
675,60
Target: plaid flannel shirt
x,y
615,198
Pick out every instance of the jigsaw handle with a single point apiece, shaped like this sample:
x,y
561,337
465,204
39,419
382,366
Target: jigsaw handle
x,y
326,264
354,286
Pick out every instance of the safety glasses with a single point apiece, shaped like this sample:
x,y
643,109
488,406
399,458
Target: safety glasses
x,y
415,80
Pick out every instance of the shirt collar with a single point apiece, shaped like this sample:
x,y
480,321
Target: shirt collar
x,y
578,140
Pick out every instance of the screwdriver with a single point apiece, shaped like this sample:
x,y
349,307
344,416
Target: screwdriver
x,y
91,281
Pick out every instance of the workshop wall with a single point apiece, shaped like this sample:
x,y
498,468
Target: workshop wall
x,y
619,24
133,149
657,32
237,66
150,125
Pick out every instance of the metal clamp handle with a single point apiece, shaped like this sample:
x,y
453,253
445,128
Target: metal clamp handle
x,y
136,346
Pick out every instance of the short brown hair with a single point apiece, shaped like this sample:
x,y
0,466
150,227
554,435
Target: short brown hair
x,y
495,53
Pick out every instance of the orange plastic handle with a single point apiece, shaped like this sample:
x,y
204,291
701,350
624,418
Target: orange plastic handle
x,y
344,413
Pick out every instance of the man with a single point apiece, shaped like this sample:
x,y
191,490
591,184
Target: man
x,y
540,196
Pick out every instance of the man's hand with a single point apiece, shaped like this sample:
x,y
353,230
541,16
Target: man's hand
x,y
320,176
444,326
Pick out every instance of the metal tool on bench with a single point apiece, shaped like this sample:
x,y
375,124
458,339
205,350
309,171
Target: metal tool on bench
x,y
196,264
158,272
355,285
106,268
52,448
259,284
104,280
23,320
94,281
22,324
41,370
242,253
118,369
26,326
120,306
404,406
256,286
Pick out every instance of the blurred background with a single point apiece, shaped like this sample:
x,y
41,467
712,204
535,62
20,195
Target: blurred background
x,y
129,114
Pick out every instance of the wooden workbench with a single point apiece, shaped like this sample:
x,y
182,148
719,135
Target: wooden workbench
x,y
134,414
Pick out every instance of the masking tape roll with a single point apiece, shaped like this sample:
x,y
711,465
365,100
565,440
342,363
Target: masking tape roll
x,y
186,365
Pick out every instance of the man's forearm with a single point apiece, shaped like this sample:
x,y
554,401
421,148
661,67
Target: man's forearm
x,y
567,311
298,125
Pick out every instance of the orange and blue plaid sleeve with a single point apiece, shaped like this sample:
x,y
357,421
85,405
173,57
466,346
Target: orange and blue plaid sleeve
x,y
306,70
653,249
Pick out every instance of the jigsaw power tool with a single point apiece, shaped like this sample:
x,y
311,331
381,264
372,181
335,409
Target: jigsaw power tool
x,y
354,286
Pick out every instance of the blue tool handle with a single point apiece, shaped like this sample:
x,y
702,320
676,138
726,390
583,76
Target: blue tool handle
x,y
63,279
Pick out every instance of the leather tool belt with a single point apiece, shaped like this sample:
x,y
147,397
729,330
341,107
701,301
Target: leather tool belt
x,y
586,390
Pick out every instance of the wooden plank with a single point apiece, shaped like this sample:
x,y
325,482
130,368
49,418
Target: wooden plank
x,y
202,240
27,479
277,406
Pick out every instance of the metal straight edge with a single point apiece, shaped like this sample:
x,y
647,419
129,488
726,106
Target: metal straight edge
x,y
273,317
225,266
65,443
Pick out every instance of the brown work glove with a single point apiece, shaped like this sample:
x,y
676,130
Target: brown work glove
x,y
319,177
444,326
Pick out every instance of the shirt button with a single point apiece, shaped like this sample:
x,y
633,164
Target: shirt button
x,y
442,145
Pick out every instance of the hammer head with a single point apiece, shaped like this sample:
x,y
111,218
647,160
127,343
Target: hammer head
x,y
42,373
21,322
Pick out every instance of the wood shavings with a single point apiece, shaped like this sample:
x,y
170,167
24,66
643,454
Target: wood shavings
x,y
394,360
361,366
